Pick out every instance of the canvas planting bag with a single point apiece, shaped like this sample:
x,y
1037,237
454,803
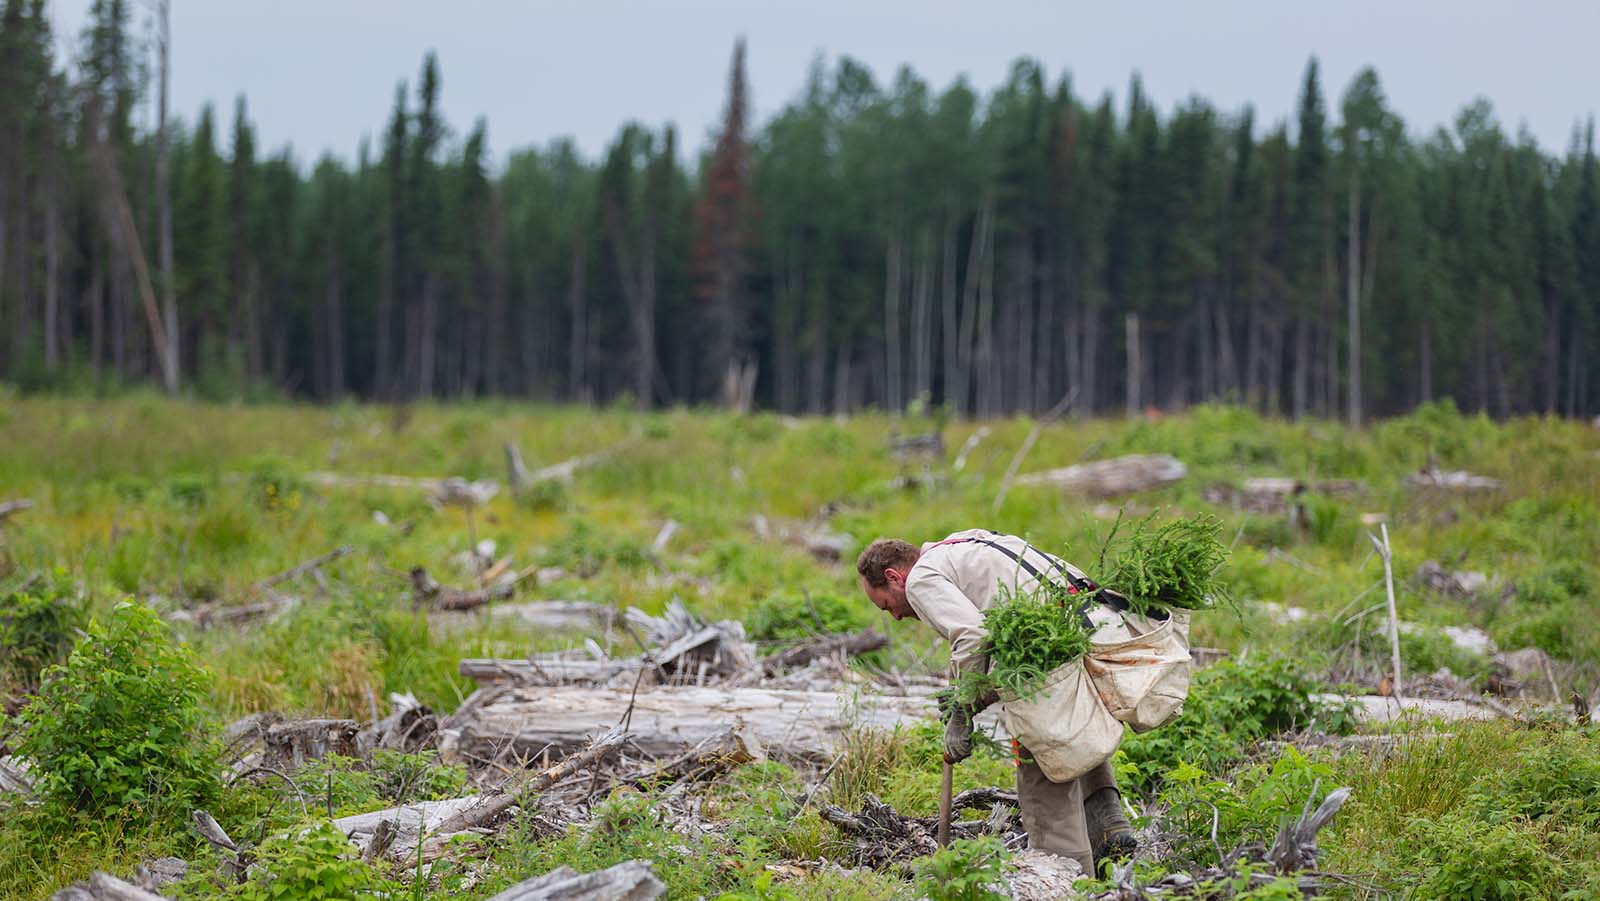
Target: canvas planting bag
x,y
1140,668
1064,724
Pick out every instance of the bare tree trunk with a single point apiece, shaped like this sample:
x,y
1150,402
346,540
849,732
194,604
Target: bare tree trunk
x,y
169,299
1130,331
1330,383
1302,363
335,325
817,375
1091,355
1353,296
1227,361
950,317
497,373
984,368
891,320
125,232
52,274
1425,362
577,302
921,321
96,298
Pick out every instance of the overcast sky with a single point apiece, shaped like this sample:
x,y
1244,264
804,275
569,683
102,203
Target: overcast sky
x,y
320,74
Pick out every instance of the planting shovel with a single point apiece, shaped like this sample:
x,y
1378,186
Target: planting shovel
x,y
944,804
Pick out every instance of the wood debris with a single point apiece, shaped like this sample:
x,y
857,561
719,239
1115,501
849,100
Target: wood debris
x,y
883,838
428,594
12,507
631,880
1111,478
1450,480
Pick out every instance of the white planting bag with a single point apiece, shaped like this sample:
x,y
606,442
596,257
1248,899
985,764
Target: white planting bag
x,y
1065,725
1142,671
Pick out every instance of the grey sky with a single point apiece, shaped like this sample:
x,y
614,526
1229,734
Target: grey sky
x,y
321,73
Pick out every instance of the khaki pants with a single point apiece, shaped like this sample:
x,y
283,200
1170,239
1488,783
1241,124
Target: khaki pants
x,y
1052,812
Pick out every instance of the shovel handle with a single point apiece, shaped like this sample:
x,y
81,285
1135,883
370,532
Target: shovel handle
x,y
945,788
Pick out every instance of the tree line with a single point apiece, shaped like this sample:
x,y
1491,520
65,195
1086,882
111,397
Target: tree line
x,y
871,245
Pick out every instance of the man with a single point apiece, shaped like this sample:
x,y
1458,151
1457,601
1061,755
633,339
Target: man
x,y
948,584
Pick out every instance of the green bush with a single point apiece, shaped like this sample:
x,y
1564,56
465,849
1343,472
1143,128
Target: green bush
x,y
787,617
36,631
120,726
1230,705
317,864
968,869
1470,859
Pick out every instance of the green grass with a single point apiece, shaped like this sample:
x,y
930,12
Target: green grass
x,y
183,503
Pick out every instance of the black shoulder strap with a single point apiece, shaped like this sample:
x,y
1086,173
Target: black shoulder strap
x,y
1076,585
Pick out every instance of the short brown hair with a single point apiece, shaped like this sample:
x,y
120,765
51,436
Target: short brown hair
x,y
882,554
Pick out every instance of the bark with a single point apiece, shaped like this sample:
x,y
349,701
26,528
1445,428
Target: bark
x,y
577,303
169,297
1130,330
1302,364
949,313
668,721
52,274
921,320
1353,297
631,880
1111,478
894,264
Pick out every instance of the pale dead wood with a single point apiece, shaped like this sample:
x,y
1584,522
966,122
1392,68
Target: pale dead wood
x,y
300,570
1111,478
968,446
850,643
7,508
427,592
513,790
234,859
631,880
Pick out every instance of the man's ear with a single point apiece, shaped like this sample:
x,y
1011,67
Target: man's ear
x,y
895,577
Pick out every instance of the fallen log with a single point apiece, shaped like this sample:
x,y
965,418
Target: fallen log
x,y
1450,480
669,721
707,760
103,886
554,670
8,508
427,592
537,616
395,831
631,880
849,643
491,806
1111,478
14,776
290,744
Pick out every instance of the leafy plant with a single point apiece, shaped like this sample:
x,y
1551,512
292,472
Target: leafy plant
x,y
786,616
319,863
1031,633
1171,565
967,870
36,631
120,726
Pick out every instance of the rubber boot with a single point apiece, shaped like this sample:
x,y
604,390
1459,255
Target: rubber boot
x,y
1110,835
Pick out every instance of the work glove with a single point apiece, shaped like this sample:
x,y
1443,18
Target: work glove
x,y
957,735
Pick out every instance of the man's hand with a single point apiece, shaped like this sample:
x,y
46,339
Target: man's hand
x,y
958,735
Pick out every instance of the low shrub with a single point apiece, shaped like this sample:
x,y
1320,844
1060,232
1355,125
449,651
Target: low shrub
x,y
784,617
37,630
313,865
969,869
120,726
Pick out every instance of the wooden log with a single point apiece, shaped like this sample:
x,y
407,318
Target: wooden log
x,y
14,776
553,669
9,508
707,760
849,643
289,745
302,569
670,721
631,880
427,592
1450,480
536,616
491,806
1111,478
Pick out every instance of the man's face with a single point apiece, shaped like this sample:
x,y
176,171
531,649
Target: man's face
x,y
891,597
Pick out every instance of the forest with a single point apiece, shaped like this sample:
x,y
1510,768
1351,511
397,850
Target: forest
x,y
887,245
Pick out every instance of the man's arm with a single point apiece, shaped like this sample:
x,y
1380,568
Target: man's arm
x,y
942,605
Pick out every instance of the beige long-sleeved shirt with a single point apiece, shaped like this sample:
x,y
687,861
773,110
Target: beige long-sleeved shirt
x,y
953,583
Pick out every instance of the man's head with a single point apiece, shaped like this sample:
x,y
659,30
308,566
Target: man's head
x,y
883,567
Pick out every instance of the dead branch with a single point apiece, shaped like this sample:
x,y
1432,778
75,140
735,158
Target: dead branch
x,y
1027,445
427,592
849,643
302,569
512,791
7,508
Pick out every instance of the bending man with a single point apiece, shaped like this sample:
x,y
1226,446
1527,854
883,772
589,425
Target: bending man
x,y
948,584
